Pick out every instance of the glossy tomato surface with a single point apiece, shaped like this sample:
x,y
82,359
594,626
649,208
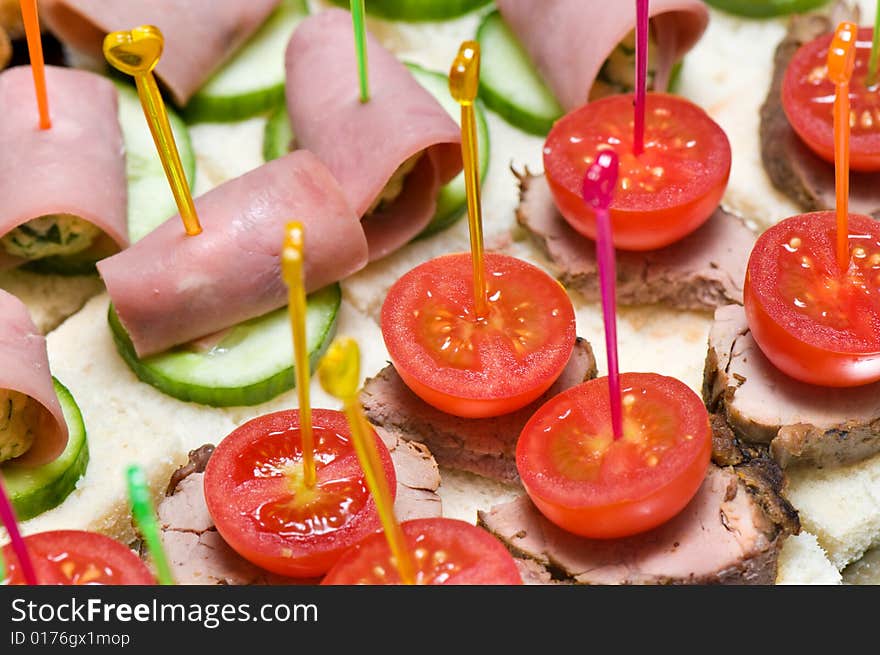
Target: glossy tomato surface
x,y
478,367
815,323
446,552
808,100
588,483
75,557
257,497
662,195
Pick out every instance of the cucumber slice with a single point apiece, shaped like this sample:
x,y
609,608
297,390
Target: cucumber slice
x,y
34,491
452,199
418,10
253,81
150,201
251,364
510,85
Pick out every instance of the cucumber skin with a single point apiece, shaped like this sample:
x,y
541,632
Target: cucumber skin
x,y
415,11
47,497
766,9
254,394
277,137
210,109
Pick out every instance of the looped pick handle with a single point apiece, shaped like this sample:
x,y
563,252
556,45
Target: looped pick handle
x,y
464,77
842,53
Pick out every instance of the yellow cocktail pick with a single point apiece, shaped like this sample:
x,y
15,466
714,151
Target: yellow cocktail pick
x,y
136,53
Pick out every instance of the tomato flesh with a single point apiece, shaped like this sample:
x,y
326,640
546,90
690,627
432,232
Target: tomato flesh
x,y
257,496
445,552
587,483
478,367
808,101
815,323
75,557
662,195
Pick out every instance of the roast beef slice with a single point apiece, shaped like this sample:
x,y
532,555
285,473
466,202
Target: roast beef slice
x,y
792,167
483,446
730,533
702,271
804,424
197,552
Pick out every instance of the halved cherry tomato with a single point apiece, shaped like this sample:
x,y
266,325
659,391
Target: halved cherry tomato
x,y
588,483
808,101
663,195
813,322
257,497
478,367
75,557
446,551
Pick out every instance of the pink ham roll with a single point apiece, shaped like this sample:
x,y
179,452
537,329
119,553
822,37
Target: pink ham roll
x,y
569,40
199,34
364,144
77,167
24,367
169,288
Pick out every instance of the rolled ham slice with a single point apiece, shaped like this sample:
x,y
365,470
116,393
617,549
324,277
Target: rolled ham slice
x,y
569,40
76,167
169,288
363,144
24,367
199,34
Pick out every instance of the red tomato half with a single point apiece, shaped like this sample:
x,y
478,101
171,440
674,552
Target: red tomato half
x,y
75,557
813,322
663,195
808,101
478,367
256,495
588,483
446,552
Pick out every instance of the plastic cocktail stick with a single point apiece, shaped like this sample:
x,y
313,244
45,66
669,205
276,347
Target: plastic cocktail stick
x,y
292,262
841,60
641,76
7,515
136,53
598,192
360,46
31,21
871,80
145,520
340,376
464,84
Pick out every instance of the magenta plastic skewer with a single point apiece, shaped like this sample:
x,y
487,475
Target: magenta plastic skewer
x,y
7,514
641,76
598,191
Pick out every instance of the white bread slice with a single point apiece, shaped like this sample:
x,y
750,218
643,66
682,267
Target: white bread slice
x,y
802,561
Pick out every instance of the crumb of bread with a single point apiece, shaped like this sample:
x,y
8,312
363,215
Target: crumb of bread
x,y
50,298
841,506
865,571
802,561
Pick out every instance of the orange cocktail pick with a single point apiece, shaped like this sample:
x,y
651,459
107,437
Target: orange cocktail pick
x,y
136,53
35,50
841,60
464,83
292,263
340,376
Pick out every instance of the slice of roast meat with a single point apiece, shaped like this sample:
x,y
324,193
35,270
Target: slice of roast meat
x,y
702,271
792,167
199,555
730,533
482,446
804,424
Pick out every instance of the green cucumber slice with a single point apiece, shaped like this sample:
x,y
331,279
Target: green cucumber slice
x,y
251,364
253,81
418,10
766,8
34,491
150,201
452,200
509,84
